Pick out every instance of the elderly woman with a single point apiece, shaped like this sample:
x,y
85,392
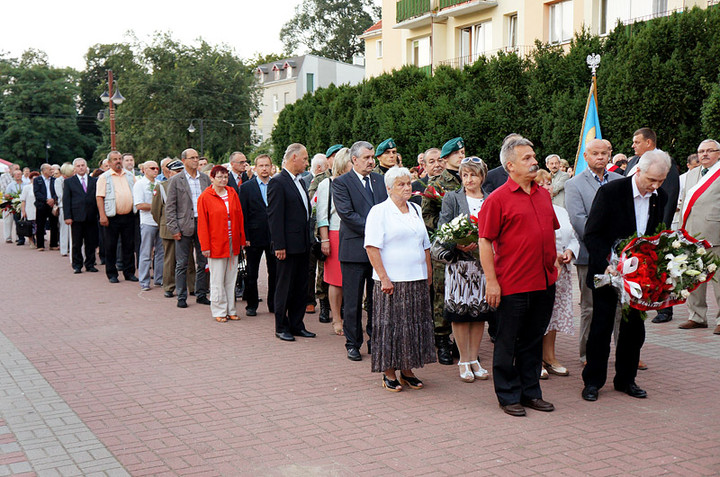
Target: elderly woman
x,y
328,222
567,248
222,235
66,171
398,247
464,307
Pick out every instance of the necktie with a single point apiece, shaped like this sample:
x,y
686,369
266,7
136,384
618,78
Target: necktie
x,y
368,190
83,184
703,171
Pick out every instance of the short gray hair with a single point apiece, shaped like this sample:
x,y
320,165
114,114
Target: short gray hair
x,y
432,150
44,166
507,153
165,161
655,156
359,146
342,159
717,144
550,156
395,173
233,154
111,153
292,150
77,160
318,160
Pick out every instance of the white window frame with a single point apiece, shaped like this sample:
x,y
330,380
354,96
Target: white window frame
x,y
512,26
560,22
276,103
469,40
419,53
379,49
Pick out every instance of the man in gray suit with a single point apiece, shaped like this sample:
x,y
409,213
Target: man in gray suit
x,y
181,215
579,194
559,178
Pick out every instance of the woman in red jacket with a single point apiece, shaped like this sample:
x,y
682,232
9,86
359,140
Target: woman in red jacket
x,y
222,235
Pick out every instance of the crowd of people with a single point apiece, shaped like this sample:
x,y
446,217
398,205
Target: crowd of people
x,y
356,232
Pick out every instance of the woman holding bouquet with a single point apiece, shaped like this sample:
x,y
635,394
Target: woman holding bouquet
x,y
465,308
398,247
567,248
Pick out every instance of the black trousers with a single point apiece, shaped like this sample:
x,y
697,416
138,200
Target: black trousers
x,y
120,226
84,233
290,292
627,349
356,282
522,319
253,256
44,215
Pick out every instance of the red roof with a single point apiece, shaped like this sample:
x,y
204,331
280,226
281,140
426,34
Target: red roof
x,y
377,26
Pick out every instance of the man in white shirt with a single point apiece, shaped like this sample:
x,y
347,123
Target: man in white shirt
x,y
150,240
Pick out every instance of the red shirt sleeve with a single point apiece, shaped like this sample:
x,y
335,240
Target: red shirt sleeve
x,y
489,219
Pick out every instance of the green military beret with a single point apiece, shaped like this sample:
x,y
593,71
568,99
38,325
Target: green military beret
x,y
388,143
451,146
333,149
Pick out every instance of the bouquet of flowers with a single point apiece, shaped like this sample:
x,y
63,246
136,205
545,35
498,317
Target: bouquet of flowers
x,y
11,203
661,270
432,193
462,230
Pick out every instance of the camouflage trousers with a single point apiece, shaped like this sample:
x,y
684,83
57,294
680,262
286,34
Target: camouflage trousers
x,y
442,327
317,288
321,288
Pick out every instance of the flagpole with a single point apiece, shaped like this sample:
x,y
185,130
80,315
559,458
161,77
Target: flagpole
x,y
593,61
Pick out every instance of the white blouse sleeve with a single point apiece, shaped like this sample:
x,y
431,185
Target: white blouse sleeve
x,y
374,227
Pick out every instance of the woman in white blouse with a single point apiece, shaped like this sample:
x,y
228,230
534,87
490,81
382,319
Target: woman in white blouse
x,y
398,247
567,247
66,171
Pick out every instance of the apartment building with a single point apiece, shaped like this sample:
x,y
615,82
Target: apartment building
x,y
429,33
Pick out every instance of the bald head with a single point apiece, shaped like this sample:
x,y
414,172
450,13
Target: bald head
x,y
597,155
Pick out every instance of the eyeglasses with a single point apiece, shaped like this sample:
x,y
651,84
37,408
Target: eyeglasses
x,y
473,159
707,151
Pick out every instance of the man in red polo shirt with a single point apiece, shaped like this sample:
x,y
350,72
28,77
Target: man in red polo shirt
x,y
517,252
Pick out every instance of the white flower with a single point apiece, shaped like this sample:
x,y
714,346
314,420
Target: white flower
x,y
699,264
702,277
680,258
701,251
676,244
669,256
670,281
684,294
712,267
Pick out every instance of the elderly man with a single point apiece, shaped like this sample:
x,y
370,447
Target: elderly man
x,y
622,208
693,161
117,217
579,195
81,213
238,170
45,200
318,165
517,252
701,202
181,215
433,166
559,178
289,218
163,176
387,156
150,241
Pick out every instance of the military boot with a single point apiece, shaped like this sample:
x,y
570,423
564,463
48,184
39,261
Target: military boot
x,y
324,311
444,349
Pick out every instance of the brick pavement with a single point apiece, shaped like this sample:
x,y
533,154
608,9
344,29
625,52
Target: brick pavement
x,y
163,391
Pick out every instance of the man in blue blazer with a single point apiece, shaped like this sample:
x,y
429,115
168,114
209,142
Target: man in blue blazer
x,y
289,217
45,200
81,213
354,194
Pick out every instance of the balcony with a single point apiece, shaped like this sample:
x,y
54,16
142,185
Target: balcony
x,y
463,61
452,8
412,13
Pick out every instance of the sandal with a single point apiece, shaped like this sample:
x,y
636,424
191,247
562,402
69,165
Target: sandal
x,y
221,319
338,328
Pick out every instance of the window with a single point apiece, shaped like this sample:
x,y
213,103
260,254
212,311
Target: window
x,y
626,10
561,22
286,99
276,105
277,73
379,48
475,41
512,31
420,52
310,82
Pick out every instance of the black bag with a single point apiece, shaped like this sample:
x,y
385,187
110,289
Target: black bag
x,y
241,276
24,228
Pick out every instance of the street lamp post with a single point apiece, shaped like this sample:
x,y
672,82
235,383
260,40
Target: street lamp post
x,y
191,129
47,151
112,99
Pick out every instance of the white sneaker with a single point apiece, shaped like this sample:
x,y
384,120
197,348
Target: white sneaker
x,y
480,373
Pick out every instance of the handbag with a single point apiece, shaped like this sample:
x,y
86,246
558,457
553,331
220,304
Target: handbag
x,y
316,247
241,275
24,228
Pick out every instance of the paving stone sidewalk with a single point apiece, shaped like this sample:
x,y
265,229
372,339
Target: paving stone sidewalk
x,y
100,379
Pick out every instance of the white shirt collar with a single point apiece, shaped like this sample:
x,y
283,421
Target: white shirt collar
x,y
360,176
292,176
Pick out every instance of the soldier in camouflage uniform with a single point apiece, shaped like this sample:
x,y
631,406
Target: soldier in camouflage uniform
x,y
321,288
387,156
453,152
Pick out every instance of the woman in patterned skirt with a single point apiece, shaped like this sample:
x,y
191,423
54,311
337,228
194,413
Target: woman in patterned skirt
x,y
567,247
398,247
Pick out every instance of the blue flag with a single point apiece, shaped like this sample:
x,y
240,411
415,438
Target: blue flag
x,y
590,130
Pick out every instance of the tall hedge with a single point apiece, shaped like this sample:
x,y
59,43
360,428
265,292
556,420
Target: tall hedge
x,y
664,74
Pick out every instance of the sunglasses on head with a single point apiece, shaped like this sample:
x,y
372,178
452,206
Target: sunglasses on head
x,y
473,159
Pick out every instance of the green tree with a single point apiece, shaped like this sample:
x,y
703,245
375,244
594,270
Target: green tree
x,y
329,28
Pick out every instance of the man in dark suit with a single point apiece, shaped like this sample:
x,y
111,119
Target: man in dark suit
x,y
45,200
621,208
645,139
253,199
81,213
238,170
289,218
354,194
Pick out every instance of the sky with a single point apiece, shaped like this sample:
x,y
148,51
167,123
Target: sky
x,y
65,30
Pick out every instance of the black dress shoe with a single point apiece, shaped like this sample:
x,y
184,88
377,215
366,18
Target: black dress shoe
x,y
77,270
113,280
169,294
304,334
202,300
538,405
444,350
250,312
515,409
353,354
92,269
131,278
285,336
632,390
181,303
590,393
